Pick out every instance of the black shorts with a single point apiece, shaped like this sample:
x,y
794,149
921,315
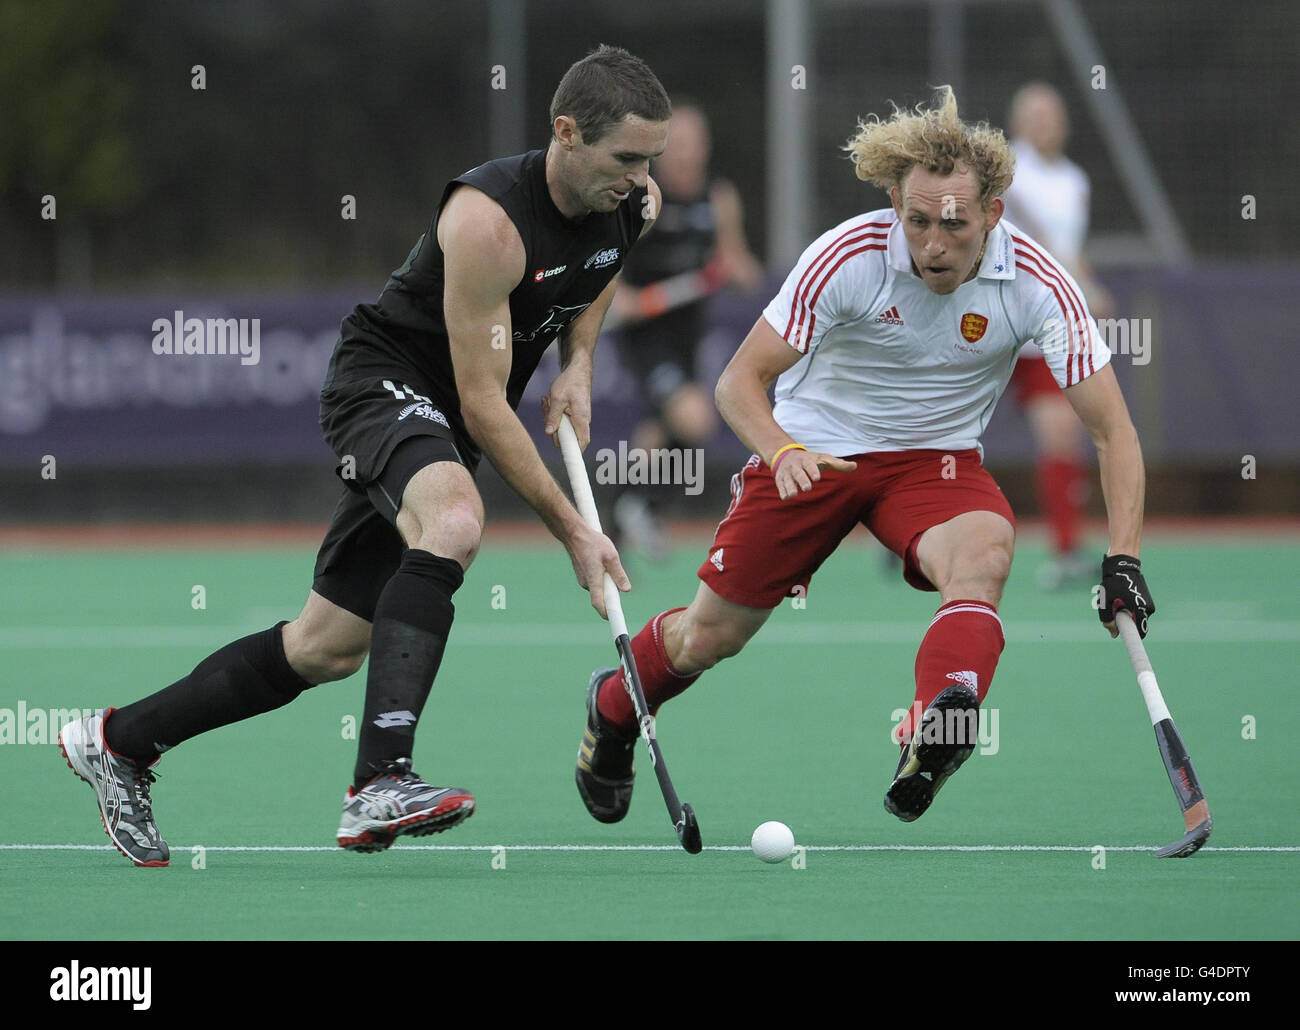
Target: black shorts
x,y
384,430
661,353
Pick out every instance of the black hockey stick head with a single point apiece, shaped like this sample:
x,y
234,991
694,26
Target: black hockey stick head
x,y
1191,843
1187,788
688,831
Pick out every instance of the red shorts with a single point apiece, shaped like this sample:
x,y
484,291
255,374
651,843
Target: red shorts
x,y
765,547
1032,378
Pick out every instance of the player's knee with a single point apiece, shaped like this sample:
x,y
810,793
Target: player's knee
x,y
981,564
318,658
704,645
340,665
999,563
454,532
991,564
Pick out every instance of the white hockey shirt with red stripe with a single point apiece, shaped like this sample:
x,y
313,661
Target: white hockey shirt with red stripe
x,y
889,365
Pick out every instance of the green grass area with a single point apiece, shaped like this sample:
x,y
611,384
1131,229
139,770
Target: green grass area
x,y
796,728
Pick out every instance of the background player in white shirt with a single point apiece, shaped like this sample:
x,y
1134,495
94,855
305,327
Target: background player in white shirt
x,y
1049,199
889,344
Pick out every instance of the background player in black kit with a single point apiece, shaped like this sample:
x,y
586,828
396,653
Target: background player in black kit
x,y
421,385
700,228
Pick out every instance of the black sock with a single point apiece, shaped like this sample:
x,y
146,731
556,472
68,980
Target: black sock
x,y
412,620
243,679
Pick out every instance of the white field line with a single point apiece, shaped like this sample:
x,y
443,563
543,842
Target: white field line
x,y
643,847
798,630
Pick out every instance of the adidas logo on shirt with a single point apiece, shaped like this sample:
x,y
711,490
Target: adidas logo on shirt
x,y
891,317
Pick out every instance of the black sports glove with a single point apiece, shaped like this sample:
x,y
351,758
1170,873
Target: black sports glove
x,y
1124,589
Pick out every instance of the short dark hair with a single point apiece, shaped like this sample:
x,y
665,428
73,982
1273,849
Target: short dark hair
x,y
605,87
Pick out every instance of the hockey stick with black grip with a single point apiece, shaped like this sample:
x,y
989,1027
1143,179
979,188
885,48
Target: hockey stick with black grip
x,y
1196,811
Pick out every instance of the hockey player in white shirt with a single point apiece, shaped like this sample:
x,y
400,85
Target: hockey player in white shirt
x,y
1049,199
889,344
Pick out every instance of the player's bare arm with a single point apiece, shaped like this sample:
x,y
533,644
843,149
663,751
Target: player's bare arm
x,y
570,393
742,399
738,261
484,262
1100,405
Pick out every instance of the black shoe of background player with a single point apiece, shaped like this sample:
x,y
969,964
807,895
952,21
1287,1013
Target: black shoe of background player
x,y
604,773
945,738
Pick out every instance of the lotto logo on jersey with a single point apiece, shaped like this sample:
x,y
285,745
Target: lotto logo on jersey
x,y
546,273
890,317
973,326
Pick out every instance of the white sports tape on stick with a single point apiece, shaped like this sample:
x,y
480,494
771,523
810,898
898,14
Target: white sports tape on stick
x,y
1146,676
586,504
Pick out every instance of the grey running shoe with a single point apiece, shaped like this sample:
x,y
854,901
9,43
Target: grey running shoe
x,y
398,802
945,738
604,773
122,787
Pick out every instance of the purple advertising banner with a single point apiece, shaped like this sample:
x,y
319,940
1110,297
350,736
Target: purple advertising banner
x,y
1205,356
180,380
80,379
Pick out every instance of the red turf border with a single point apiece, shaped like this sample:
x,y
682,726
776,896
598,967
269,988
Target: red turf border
x,y
279,534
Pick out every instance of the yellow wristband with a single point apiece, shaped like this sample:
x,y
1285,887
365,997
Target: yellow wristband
x,y
776,458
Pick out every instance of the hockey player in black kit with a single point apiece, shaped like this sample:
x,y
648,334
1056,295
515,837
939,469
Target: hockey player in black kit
x,y
522,251
699,229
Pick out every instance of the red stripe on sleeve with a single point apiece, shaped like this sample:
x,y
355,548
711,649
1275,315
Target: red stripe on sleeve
x,y
1053,271
799,309
1069,367
812,303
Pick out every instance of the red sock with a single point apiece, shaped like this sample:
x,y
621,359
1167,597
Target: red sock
x,y
961,646
659,679
1060,496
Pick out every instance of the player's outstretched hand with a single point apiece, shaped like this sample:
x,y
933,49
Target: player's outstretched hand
x,y
593,554
1124,589
798,470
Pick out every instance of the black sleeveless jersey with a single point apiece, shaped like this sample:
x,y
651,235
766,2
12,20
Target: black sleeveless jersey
x,y
568,263
683,240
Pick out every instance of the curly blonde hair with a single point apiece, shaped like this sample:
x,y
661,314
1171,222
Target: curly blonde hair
x,y
936,140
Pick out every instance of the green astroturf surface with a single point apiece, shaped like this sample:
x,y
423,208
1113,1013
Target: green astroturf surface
x,y
795,728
